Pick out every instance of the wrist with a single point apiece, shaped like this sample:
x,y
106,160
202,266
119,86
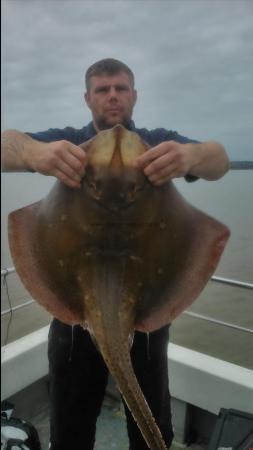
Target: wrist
x,y
194,154
209,160
31,151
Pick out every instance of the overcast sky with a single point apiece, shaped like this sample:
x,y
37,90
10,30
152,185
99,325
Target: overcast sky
x,y
192,60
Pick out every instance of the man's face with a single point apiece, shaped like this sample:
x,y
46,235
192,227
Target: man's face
x,y
111,100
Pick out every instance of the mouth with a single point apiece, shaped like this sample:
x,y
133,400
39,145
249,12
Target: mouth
x,y
113,110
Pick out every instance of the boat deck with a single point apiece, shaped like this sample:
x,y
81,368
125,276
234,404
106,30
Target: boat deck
x,y
31,404
217,339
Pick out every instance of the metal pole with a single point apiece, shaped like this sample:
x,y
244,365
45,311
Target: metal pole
x,y
218,322
7,311
238,283
7,271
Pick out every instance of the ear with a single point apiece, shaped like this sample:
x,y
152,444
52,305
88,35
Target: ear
x,y
135,95
87,99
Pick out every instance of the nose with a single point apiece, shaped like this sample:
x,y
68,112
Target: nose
x,y
112,92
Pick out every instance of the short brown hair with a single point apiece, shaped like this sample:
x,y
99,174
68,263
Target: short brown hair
x,y
107,66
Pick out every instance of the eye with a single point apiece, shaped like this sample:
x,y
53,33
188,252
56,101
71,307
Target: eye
x,y
135,187
122,88
102,89
91,184
97,185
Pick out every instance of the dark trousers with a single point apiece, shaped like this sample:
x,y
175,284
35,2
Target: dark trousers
x,y
78,378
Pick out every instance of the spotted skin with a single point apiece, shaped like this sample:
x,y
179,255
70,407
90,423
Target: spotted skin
x,y
116,256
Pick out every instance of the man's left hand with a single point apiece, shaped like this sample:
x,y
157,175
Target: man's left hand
x,y
165,161
170,159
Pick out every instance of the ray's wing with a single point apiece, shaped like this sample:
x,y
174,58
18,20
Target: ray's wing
x,y
39,267
184,248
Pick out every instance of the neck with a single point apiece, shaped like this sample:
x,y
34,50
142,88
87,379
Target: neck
x,y
104,126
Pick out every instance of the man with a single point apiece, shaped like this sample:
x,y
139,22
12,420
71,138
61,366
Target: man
x,y
78,374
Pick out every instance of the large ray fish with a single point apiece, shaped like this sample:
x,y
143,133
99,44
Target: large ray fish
x,y
115,256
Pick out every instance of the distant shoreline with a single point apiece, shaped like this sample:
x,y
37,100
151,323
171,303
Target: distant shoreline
x,y
241,165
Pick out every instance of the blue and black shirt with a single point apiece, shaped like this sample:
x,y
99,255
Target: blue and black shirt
x,y
78,136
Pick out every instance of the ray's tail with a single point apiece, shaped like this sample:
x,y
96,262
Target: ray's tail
x,y
110,313
119,363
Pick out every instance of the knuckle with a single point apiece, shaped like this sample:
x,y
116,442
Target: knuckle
x,y
63,143
82,152
77,164
169,145
61,147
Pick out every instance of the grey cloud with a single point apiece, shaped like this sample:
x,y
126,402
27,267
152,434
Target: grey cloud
x,y
192,61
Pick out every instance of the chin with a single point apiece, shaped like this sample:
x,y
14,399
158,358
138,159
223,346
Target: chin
x,y
103,124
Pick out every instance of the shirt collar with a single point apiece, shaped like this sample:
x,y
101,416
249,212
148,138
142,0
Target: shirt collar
x,y
91,131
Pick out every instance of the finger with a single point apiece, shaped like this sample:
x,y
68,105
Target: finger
x,y
79,153
165,173
161,182
164,179
162,163
73,161
67,180
68,171
153,153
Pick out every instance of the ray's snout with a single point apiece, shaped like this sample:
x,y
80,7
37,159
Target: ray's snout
x,y
111,176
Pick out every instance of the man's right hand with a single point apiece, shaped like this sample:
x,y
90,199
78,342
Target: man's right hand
x,y
61,159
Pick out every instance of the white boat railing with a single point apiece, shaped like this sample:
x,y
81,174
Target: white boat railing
x,y
228,281
193,375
